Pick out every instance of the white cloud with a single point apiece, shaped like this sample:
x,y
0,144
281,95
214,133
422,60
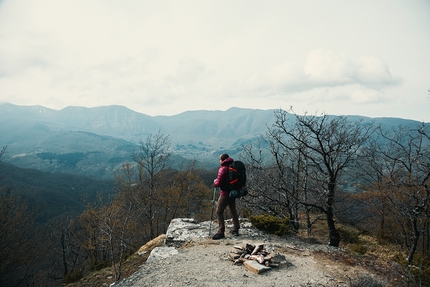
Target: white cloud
x,y
190,71
287,76
371,71
365,96
327,68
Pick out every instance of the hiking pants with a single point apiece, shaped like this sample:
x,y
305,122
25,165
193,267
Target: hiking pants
x,y
223,202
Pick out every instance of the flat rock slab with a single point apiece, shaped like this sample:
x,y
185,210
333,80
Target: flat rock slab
x,y
182,230
255,267
161,253
185,229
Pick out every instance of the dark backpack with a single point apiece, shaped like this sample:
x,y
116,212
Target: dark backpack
x,y
237,178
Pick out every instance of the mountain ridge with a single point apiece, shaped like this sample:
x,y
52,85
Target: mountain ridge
x,y
102,138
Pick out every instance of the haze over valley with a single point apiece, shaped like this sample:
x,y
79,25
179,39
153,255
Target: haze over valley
x,y
95,141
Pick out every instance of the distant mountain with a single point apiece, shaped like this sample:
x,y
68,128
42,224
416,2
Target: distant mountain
x,y
115,121
215,127
96,141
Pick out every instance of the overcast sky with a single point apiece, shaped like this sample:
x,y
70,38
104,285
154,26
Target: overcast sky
x,y
366,57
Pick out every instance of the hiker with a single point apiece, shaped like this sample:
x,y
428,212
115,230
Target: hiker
x,y
222,181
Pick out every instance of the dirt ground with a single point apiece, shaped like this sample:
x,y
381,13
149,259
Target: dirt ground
x,y
205,263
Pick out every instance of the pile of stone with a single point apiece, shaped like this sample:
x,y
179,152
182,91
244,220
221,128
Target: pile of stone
x,y
255,258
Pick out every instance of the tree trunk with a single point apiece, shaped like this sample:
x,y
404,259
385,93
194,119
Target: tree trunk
x,y
308,222
294,219
63,249
413,248
334,236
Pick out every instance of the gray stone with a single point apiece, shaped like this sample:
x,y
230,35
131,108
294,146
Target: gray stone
x,y
183,230
161,253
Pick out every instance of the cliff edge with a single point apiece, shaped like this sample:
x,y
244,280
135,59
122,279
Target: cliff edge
x,y
189,257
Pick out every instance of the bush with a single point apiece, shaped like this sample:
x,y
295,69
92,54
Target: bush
x,y
95,266
72,276
365,280
349,235
419,270
359,248
270,224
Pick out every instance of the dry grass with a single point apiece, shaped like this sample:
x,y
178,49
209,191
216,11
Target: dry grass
x,y
105,277
358,253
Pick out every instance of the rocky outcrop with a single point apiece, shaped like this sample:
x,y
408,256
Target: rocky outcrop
x,y
189,257
183,230
186,230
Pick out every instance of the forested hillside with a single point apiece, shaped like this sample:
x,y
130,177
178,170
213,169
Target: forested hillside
x,y
345,177
53,194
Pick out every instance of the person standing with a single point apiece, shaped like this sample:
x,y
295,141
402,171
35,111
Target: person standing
x,y
222,181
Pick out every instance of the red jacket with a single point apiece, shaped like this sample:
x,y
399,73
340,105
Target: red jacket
x,y
222,180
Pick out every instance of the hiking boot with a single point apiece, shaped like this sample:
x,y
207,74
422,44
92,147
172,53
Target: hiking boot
x,y
218,236
234,232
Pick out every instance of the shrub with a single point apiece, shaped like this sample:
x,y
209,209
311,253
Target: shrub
x,y
270,224
365,280
349,234
95,266
418,271
72,276
359,248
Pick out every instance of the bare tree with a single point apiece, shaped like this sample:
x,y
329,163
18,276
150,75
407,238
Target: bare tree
x,y
91,238
152,159
114,224
329,146
269,174
186,195
18,252
67,249
401,172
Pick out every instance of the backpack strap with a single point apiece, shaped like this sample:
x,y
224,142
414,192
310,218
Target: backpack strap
x,y
235,170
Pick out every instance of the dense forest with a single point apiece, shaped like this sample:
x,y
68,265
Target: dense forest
x,y
311,169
